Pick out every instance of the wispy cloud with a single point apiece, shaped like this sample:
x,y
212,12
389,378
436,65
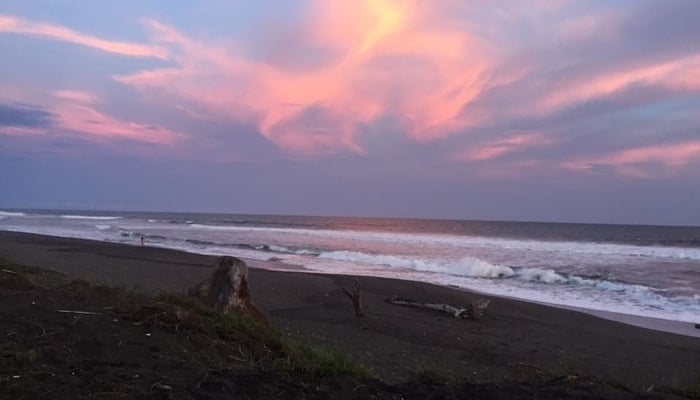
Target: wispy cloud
x,y
74,112
484,77
500,147
11,24
91,123
77,96
380,58
640,161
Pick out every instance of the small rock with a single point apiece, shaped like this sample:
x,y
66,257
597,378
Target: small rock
x,y
160,386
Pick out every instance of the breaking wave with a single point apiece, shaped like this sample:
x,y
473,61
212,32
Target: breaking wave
x,y
563,247
476,268
467,266
11,214
93,217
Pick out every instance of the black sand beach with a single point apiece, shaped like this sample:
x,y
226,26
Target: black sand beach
x,y
514,342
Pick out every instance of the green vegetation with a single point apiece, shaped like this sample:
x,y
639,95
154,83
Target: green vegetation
x,y
261,340
318,361
23,277
207,338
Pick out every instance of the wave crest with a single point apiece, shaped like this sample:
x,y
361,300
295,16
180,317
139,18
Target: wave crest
x,y
467,266
11,214
93,217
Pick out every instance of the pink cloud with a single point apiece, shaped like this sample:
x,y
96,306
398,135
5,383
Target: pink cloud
x,y
507,145
76,96
680,75
388,58
10,24
89,122
421,64
21,131
635,161
76,112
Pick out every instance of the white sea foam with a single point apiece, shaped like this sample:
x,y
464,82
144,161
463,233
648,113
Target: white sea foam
x,y
478,242
541,275
535,270
290,250
467,266
531,284
475,268
11,214
618,297
92,217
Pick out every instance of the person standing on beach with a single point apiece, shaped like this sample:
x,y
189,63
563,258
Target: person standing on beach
x,y
142,240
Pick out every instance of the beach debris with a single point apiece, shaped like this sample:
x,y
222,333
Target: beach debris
x,y
15,281
356,296
227,289
471,311
78,312
697,326
161,386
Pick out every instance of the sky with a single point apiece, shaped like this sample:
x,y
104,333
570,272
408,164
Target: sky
x,y
541,110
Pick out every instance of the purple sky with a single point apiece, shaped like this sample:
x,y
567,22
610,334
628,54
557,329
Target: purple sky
x,y
547,110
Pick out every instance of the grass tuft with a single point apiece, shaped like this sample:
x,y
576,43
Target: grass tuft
x,y
261,339
318,361
27,277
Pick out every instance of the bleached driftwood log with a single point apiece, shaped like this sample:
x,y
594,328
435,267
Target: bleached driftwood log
x,y
227,289
473,310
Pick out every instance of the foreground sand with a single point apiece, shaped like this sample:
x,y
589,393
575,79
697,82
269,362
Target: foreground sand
x,y
514,341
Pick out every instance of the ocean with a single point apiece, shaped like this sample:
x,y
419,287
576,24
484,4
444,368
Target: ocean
x,y
648,271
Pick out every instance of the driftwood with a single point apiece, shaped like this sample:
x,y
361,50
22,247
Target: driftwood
x,y
473,310
356,296
227,289
78,312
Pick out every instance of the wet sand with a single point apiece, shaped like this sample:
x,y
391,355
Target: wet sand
x,y
514,341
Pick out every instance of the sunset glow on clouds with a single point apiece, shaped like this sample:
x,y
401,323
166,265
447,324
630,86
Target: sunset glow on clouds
x,y
509,144
635,161
583,88
9,24
380,59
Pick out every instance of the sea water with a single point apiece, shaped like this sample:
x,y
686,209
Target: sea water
x,y
649,271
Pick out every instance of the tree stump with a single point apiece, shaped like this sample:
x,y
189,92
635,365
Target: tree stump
x,y
227,289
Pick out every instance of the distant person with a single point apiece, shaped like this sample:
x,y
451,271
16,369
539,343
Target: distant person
x,y
143,240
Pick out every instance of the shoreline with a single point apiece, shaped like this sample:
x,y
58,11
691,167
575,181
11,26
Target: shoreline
x,y
514,341
684,328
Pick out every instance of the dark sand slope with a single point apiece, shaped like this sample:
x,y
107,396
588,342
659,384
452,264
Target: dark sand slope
x,y
514,340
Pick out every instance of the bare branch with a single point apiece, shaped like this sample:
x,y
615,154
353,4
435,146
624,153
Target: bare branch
x,y
356,296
